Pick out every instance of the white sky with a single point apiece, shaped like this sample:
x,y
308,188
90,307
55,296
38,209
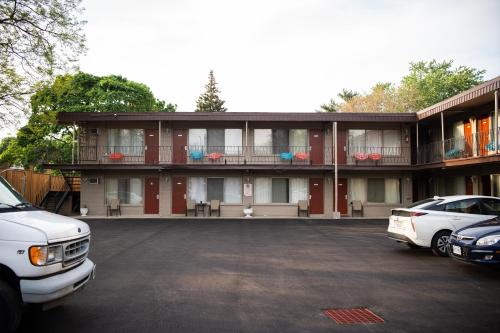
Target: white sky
x,y
282,55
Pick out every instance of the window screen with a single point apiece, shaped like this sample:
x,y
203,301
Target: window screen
x,y
215,189
280,140
280,190
233,141
263,141
232,190
215,140
376,190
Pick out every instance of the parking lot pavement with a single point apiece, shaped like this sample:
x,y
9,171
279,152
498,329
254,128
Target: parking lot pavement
x,y
269,276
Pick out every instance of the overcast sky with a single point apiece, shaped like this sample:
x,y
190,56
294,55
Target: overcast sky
x,y
282,55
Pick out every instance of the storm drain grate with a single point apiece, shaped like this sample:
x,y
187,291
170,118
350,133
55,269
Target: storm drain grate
x,y
353,316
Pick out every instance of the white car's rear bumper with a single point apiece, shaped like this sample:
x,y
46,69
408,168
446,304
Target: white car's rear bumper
x,y
401,230
57,286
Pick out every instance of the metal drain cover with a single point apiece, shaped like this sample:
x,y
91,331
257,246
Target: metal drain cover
x,y
353,316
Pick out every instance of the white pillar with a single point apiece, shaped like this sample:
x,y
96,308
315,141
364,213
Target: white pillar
x,y
336,214
73,145
495,122
442,136
159,141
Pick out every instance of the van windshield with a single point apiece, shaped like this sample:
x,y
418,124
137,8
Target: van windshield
x,y
10,198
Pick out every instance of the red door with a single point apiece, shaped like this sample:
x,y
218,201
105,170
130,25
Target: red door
x,y
316,195
316,143
152,146
341,146
178,195
468,138
152,195
342,192
179,146
468,186
484,135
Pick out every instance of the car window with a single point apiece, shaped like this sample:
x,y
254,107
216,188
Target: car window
x,y
425,204
468,206
491,206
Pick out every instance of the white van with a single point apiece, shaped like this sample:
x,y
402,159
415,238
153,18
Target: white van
x,y
43,256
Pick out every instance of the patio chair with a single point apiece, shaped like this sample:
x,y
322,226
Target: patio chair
x,y
215,207
114,205
303,206
357,206
190,206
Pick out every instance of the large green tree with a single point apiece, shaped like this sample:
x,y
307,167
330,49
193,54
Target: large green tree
x,y
209,101
43,140
427,83
38,38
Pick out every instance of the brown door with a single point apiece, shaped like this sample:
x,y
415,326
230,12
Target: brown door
x,y
316,195
152,146
152,195
468,138
178,195
342,191
468,185
341,146
316,143
179,146
484,135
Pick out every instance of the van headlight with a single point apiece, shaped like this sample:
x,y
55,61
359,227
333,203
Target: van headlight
x,y
45,255
488,240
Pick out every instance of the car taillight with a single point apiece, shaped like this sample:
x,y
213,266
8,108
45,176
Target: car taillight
x,y
412,214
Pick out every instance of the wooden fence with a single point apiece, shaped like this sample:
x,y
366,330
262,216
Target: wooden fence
x,y
33,185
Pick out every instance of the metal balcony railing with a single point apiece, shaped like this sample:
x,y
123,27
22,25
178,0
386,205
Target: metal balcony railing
x,y
378,155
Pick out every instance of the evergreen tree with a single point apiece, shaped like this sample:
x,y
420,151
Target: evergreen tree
x,y
209,101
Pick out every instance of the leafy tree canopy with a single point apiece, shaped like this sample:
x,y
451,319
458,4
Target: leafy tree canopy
x,y
427,83
43,140
209,101
37,40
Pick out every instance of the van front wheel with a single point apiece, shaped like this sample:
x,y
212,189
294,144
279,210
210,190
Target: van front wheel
x,y
10,308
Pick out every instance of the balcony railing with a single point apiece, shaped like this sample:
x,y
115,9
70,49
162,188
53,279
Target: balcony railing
x,y
378,155
475,145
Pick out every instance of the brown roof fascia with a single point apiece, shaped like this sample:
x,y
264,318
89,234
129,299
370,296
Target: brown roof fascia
x,y
468,95
84,117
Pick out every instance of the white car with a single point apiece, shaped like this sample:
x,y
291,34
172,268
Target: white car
x,y
429,223
43,257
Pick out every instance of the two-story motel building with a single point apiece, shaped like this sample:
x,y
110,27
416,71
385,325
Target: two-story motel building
x,y
154,162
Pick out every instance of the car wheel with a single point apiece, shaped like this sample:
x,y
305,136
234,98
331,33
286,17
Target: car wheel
x,y
10,308
413,246
439,243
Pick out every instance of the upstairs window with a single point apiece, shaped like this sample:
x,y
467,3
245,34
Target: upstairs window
x,y
216,140
385,142
275,141
126,141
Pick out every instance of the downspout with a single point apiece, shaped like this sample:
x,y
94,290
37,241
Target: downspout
x,y
246,141
496,121
159,141
73,145
418,152
336,175
442,136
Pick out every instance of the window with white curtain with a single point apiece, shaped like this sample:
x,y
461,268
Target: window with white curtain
x,y
356,141
263,190
126,141
233,141
298,189
392,191
197,139
357,187
127,190
233,190
263,141
373,141
392,142
298,140
197,189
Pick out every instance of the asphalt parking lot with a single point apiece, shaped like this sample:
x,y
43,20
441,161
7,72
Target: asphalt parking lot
x,y
269,276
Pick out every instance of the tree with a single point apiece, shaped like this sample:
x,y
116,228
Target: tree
x,y
435,81
37,40
331,106
347,94
426,84
209,101
43,140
